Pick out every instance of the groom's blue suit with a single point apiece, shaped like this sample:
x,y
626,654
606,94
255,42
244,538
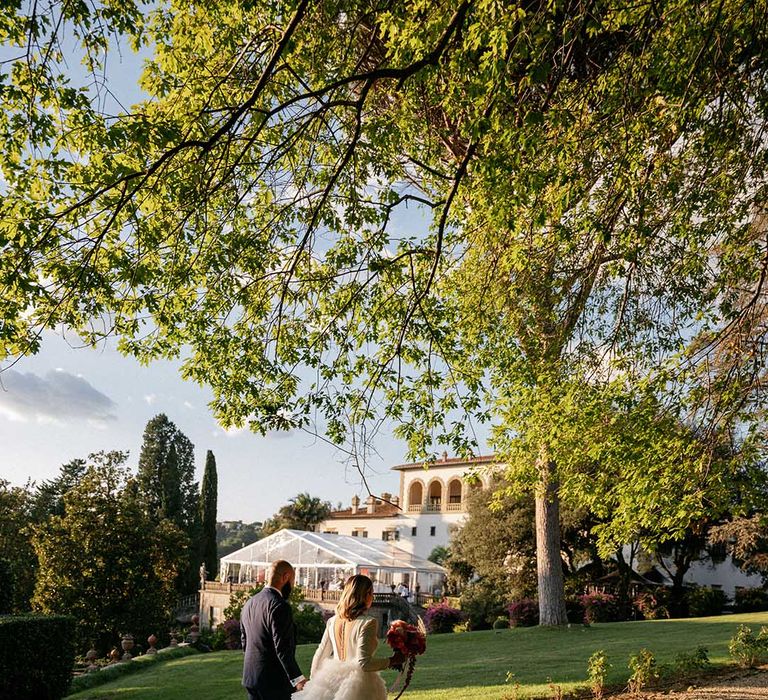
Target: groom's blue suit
x,y
269,641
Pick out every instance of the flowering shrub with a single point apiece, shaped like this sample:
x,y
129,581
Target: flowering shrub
x,y
441,618
653,604
599,607
524,612
231,631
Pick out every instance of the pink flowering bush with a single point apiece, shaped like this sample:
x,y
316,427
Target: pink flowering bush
x,y
441,618
231,630
599,607
524,612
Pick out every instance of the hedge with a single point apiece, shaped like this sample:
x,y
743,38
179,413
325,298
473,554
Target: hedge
x,y
703,602
112,672
750,600
37,655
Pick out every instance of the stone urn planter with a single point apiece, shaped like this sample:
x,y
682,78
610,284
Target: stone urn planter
x,y
152,640
127,643
194,630
91,657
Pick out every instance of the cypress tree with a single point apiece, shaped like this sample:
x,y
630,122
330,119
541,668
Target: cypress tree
x,y
208,505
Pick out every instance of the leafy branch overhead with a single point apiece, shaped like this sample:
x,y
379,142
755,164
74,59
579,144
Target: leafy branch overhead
x,y
340,213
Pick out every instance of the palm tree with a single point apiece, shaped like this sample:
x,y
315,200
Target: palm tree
x,y
302,512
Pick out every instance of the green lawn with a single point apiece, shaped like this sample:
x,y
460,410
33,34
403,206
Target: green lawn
x,y
459,666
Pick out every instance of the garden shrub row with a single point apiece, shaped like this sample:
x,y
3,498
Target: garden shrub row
x,y
37,656
651,604
750,600
114,671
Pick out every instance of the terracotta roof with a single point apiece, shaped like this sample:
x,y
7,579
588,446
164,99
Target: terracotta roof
x,y
448,461
383,510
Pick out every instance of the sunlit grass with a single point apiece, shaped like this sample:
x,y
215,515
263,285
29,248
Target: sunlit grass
x,y
469,665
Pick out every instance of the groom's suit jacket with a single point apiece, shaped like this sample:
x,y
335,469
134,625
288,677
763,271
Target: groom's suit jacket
x,y
269,641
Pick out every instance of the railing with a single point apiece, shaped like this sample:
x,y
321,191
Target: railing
x,y
435,507
321,595
226,587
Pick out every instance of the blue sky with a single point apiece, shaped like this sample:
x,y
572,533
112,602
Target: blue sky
x,y
67,402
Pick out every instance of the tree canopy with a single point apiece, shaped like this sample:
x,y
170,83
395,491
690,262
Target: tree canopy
x,y
105,561
590,178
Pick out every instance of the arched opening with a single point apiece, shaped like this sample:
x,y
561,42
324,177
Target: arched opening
x,y
435,495
415,496
454,492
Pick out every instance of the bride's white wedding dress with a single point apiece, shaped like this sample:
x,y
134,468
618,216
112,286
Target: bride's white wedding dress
x,y
344,666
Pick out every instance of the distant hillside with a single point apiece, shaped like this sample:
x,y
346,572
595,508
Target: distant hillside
x,y
231,535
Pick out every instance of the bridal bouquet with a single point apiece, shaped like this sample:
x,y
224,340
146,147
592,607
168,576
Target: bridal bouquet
x,y
411,641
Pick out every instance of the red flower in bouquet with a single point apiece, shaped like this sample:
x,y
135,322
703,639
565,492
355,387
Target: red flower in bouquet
x,y
409,640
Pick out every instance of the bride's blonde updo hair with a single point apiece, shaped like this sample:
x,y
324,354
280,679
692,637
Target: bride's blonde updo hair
x,y
353,601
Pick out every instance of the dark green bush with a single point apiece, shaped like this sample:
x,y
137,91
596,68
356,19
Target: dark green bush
x,y
501,623
481,605
574,610
37,655
310,624
6,587
750,600
703,602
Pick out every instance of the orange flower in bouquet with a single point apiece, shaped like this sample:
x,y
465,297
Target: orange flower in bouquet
x,y
410,641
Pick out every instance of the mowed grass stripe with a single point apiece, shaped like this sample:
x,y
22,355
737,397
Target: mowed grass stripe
x,y
463,666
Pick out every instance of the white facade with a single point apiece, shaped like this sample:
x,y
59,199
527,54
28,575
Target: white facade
x,y
429,508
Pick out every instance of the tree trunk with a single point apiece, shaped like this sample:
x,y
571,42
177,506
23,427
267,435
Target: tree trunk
x,y
549,564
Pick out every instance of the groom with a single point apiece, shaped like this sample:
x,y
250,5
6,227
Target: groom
x,y
270,671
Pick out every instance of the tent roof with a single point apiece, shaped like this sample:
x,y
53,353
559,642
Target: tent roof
x,y
308,549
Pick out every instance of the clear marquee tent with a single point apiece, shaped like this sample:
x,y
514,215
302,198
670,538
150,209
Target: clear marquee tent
x,y
325,557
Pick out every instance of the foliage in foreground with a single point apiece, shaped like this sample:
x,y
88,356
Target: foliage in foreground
x,y
37,655
749,648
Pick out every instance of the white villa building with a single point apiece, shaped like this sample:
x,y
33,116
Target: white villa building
x,y
430,506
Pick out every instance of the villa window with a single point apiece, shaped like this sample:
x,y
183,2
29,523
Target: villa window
x,y
389,535
413,531
432,531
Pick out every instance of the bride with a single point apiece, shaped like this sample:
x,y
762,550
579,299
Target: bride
x,y
344,666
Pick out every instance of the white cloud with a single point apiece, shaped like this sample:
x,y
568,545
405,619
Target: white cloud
x,y
187,404
57,397
150,398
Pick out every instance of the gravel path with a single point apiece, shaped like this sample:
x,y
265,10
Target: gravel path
x,y
749,685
